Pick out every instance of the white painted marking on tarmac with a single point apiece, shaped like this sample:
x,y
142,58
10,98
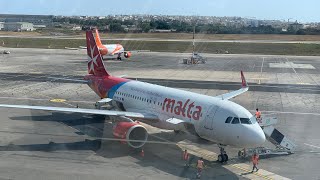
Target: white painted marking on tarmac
x,y
261,70
284,112
311,145
289,65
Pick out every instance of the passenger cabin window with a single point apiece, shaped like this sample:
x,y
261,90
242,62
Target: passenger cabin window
x,y
228,120
245,121
235,121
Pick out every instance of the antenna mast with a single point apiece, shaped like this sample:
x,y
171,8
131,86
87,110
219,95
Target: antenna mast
x,y
194,30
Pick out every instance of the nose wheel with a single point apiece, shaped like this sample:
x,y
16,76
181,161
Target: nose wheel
x,y
222,157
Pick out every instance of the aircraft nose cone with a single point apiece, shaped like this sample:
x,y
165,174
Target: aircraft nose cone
x,y
255,137
260,137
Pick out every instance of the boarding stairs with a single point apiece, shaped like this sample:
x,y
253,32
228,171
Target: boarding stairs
x,y
283,144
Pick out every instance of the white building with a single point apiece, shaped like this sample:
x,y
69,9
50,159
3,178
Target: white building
x,y
1,26
18,26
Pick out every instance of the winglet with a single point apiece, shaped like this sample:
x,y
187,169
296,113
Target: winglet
x,y
232,94
243,79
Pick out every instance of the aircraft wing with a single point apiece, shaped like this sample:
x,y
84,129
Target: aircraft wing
x,y
233,94
85,111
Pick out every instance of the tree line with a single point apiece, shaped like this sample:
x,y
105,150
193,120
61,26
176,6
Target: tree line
x,y
113,25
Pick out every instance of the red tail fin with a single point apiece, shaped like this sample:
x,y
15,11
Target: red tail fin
x,y
98,41
95,64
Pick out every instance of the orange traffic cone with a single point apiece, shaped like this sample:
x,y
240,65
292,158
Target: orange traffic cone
x,y
142,153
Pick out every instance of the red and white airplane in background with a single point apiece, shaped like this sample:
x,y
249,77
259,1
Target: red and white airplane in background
x,y
111,49
213,118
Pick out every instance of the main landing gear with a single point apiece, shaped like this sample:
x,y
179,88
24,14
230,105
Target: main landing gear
x,y
222,157
119,57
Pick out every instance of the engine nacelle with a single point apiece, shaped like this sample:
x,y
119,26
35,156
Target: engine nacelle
x,y
103,51
127,54
131,132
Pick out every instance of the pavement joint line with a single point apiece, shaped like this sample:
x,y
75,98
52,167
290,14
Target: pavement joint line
x,y
302,83
288,112
311,145
255,173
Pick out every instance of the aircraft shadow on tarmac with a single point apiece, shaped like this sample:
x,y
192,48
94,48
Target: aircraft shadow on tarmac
x,y
166,158
175,83
52,146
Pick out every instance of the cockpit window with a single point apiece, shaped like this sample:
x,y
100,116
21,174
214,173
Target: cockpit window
x,y
228,120
245,121
235,121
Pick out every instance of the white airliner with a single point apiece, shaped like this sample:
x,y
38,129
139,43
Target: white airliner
x,y
213,118
111,49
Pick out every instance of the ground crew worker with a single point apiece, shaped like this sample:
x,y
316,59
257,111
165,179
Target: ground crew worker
x,y
200,165
186,157
258,115
255,160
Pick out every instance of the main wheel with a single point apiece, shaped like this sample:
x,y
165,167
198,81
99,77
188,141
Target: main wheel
x,y
220,158
176,131
226,158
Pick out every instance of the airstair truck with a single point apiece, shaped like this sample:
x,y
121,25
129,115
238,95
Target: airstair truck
x,y
284,146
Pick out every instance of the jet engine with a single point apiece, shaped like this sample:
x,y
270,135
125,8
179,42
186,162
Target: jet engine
x,y
127,54
131,132
103,51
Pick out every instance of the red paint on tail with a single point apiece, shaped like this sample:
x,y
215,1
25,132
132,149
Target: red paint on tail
x,y
95,64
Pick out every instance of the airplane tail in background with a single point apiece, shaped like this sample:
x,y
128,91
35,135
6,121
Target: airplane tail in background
x,y
98,41
95,63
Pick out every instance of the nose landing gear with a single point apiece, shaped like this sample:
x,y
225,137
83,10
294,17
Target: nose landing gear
x,y
222,157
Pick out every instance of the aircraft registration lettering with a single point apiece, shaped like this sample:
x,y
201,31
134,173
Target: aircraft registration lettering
x,y
180,108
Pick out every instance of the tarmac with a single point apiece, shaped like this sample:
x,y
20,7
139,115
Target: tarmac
x,y
53,145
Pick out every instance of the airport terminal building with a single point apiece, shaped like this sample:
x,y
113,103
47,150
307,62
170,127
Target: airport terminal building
x,y
17,26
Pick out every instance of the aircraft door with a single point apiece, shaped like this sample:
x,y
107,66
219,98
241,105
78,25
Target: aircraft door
x,y
208,124
152,103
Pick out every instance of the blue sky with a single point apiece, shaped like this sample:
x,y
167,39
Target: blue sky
x,y
303,11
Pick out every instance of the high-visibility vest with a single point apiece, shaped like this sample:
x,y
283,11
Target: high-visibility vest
x,y
255,159
185,156
200,164
258,114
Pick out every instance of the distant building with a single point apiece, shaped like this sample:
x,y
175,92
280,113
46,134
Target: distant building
x,y
18,26
1,26
162,30
76,28
39,26
296,26
34,19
